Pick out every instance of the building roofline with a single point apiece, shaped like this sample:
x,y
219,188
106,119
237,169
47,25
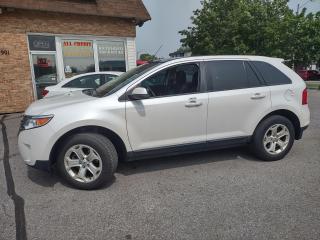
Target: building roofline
x,y
127,9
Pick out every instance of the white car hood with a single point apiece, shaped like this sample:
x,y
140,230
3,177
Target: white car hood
x,y
50,103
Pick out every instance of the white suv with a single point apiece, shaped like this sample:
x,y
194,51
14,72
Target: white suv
x,y
167,108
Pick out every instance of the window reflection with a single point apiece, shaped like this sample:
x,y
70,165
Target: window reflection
x,y
111,56
78,57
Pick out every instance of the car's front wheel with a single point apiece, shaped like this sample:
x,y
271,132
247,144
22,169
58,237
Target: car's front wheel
x,y
273,138
87,161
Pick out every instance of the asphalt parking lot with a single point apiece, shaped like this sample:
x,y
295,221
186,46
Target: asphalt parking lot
x,y
214,195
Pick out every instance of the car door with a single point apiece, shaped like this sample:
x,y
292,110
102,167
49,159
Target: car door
x,y
174,115
237,99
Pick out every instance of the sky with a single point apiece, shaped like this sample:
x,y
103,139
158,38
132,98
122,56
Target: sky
x,y
171,16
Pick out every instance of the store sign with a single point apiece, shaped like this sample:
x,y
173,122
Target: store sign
x,y
43,62
111,50
77,49
42,43
77,44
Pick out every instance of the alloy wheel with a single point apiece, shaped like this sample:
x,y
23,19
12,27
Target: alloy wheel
x,y
276,139
83,163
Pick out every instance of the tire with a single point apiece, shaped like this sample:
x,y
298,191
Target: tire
x,y
260,145
95,152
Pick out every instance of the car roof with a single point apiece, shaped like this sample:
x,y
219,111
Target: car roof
x,y
94,73
223,57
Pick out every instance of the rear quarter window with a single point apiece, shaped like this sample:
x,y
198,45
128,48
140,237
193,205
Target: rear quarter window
x,y
270,74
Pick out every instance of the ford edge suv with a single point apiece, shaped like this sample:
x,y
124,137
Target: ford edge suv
x,y
167,108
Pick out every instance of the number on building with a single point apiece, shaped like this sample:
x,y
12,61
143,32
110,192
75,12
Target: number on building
x,y
4,52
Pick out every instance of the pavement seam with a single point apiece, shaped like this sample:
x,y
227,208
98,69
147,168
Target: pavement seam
x,y
18,201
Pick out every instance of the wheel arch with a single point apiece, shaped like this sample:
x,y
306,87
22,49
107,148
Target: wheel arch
x,y
111,135
294,119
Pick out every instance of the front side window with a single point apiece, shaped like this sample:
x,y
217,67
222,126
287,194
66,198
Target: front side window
x,y
119,82
271,74
91,81
182,79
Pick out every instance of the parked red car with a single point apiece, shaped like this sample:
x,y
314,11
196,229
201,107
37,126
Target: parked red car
x,y
141,62
309,74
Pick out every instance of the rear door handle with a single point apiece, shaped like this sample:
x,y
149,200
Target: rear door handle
x,y
193,102
258,96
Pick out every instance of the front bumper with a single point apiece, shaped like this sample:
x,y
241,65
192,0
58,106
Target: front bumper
x,y
35,147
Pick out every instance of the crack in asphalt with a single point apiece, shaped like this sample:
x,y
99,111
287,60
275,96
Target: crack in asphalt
x,y
20,220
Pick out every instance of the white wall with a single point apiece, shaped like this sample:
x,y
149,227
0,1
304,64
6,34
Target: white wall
x,y
132,53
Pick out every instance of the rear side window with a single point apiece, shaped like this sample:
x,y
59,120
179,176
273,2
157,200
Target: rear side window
x,y
107,78
230,75
90,81
253,80
271,74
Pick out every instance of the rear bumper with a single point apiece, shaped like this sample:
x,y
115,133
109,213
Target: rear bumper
x,y
300,132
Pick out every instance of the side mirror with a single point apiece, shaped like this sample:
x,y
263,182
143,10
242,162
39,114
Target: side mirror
x,y
139,93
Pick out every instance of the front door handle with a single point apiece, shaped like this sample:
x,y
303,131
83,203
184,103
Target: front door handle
x,y
193,102
258,96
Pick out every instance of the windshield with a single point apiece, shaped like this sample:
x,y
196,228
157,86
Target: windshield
x,y
119,82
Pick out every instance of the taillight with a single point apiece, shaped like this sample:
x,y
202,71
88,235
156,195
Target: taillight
x,y
305,97
44,92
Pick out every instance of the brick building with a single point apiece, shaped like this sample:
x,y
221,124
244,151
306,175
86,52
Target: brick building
x,y
44,41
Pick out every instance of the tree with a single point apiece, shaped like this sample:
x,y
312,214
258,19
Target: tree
x,y
257,27
147,57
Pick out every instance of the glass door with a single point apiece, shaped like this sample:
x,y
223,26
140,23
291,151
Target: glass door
x,y
44,71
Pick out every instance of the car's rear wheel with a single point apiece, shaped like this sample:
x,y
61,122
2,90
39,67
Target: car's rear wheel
x,y
87,161
273,138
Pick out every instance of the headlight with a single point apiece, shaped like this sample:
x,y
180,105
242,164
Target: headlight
x,y
29,122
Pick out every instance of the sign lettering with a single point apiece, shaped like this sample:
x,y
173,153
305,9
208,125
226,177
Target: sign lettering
x,y
42,43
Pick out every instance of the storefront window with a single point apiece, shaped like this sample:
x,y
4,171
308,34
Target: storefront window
x,y
77,57
111,56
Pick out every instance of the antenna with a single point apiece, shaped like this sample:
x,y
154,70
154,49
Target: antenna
x,y
158,50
